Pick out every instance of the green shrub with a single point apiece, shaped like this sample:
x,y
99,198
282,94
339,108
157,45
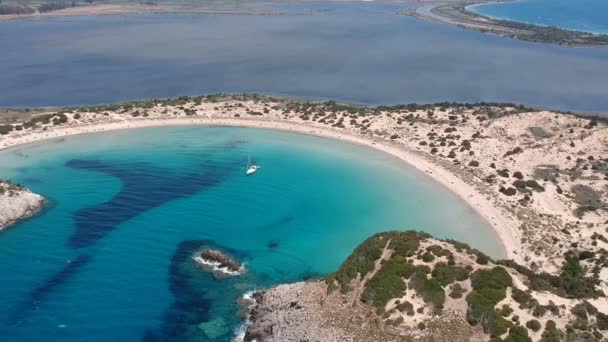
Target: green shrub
x,y
460,246
406,243
551,333
584,255
482,259
494,324
519,184
518,334
429,289
602,321
534,325
406,307
505,311
520,296
397,321
446,274
428,257
579,311
489,288
496,278
387,283
361,261
532,184
570,283
438,251
456,291
508,191
6,129
60,119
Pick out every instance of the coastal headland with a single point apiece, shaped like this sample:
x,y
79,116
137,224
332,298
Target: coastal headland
x,y
17,203
405,286
538,177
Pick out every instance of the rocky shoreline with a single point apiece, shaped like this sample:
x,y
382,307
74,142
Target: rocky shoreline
x,y
291,312
17,203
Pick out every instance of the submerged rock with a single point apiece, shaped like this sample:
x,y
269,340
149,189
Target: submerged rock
x,y
214,328
17,203
220,264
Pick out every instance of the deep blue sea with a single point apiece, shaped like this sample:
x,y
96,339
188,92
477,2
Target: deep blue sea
x,y
354,52
584,15
110,257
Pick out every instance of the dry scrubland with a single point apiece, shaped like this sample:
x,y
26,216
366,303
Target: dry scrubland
x,y
401,286
540,178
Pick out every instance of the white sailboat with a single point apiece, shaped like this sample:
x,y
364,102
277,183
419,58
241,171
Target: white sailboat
x,y
251,168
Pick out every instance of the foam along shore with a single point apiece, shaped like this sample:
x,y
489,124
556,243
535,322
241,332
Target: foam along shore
x,y
221,265
537,177
17,203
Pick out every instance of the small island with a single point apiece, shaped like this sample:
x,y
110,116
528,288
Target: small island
x,y
221,265
17,203
404,286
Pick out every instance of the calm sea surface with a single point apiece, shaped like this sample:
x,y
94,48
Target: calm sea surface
x,y
357,52
110,258
584,15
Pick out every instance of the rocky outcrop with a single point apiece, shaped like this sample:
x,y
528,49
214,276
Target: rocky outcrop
x,y
220,264
17,203
292,313
304,312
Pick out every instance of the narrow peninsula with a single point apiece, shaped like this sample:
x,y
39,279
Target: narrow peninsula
x,y
17,203
459,13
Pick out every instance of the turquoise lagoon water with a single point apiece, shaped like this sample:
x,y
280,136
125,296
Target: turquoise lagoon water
x,y
110,257
584,15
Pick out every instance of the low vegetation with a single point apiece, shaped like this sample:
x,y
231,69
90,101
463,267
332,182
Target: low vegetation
x,y
390,267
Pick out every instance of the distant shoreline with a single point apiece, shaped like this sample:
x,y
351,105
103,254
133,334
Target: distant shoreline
x,y
124,9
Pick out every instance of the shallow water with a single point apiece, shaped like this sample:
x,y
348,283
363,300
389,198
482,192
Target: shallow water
x,y
357,52
110,258
584,15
